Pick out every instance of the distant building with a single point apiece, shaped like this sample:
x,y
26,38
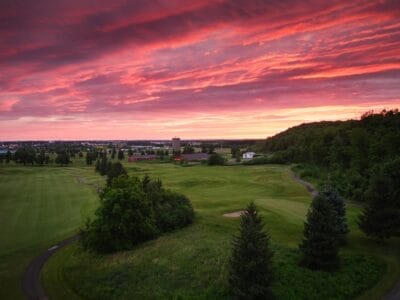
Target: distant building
x,y
248,155
142,157
176,144
192,157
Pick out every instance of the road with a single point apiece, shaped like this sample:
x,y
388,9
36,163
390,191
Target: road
x,y
31,284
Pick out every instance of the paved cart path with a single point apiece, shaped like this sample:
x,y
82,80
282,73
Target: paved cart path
x,y
31,284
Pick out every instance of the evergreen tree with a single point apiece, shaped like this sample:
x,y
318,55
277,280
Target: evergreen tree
x,y
113,153
320,245
89,158
339,206
98,166
250,273
381,216
8,156
103,166
121,154
115,170
62,159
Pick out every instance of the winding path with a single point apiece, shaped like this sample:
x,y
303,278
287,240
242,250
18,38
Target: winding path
x,y
313,191
31,284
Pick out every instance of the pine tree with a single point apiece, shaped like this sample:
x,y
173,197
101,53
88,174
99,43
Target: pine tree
x,y
115,170
381,216
89,158
121,154
103,166
98,166
339,206
320,245
250,266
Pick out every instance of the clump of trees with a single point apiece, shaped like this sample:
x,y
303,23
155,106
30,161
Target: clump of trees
x,y
381,216
132,211
345,151
250,275
188,149
320,245
121,154
63,158
216,159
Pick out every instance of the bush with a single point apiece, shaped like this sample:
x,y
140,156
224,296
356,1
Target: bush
x,y
172,210
357,273
215,159
124,219
132,211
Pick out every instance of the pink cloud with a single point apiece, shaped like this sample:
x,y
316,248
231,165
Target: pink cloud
x,y
96,64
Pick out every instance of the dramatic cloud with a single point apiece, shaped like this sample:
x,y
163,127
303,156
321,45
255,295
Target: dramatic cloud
x,y
197,69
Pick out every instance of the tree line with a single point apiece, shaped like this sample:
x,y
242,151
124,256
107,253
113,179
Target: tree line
x,y
345,152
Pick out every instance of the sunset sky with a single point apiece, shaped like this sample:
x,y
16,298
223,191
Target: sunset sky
x,y
194,69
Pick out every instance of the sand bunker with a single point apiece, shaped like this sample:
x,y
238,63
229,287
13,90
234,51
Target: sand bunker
x,y
235,214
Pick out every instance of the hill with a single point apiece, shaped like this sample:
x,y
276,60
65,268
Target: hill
x,y
343,152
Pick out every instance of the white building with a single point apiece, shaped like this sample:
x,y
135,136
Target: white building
x,y
248,155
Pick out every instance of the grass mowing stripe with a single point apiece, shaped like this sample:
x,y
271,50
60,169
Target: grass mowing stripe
x,y
38,207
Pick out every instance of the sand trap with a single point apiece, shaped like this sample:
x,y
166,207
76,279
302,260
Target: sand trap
x,y
235,214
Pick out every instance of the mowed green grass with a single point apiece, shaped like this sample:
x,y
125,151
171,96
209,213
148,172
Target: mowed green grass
x,y
39,206
193,262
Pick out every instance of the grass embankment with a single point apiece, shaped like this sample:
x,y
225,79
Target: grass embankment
x,y
39,206
193,262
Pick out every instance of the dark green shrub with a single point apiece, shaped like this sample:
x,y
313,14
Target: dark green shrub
x,y
172,211
215,159
124,219
132,211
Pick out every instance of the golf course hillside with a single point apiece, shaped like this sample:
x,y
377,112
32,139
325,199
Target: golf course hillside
x,y
193,262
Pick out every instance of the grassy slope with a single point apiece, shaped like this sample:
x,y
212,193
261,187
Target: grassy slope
x,y
194,259
38,207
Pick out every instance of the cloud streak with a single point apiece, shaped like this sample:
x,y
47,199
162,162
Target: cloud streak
x,y
70,66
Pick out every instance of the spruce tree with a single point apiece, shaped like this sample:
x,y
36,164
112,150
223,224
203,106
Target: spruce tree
x,y
320,245
98,166
250,274
381,216
115,170
103,166
121,154
339,206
